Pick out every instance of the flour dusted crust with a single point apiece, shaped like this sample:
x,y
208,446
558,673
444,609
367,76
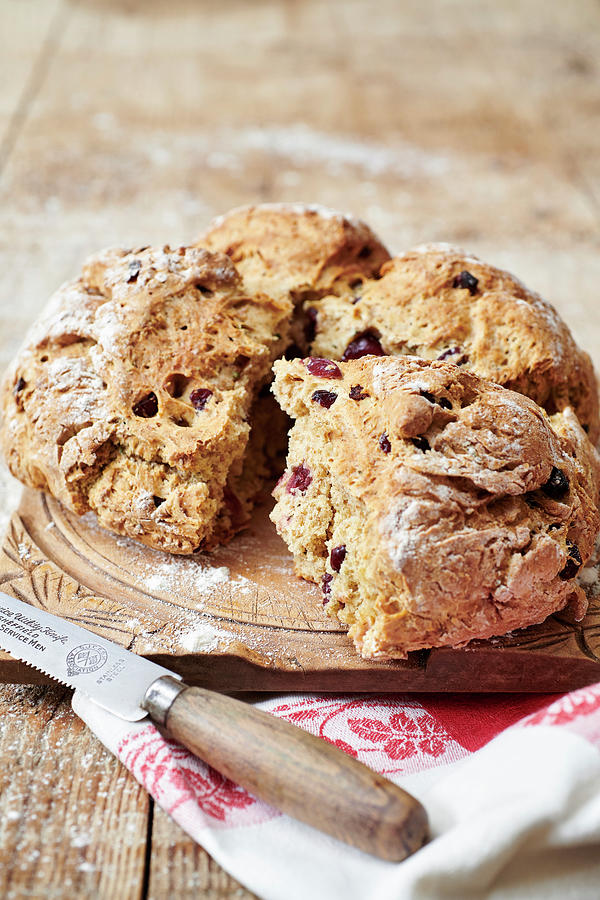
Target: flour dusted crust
x,y
296,251
436,302
432,506
134,395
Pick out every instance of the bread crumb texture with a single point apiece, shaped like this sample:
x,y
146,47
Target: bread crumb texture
x,y
431,505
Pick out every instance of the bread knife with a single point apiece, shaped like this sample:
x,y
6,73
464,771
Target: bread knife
x,y
296,772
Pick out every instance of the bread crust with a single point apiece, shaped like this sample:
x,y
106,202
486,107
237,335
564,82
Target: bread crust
x,y
296,250
153,326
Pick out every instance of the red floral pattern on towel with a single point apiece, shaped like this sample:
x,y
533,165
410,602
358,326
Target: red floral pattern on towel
x,y
393,735
175,777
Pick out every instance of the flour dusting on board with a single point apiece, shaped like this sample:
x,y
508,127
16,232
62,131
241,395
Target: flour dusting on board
x,y
190,577
193,579
10,491
205,638
187,576
589,576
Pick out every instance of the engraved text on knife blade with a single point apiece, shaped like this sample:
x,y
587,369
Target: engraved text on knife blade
x,y
113,677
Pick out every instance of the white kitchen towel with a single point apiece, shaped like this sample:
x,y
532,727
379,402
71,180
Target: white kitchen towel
x,y
514,811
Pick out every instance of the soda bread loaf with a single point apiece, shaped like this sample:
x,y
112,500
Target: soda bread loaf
x,y
437,303
431,505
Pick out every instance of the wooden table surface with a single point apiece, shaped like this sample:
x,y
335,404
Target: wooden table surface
x,y
473,121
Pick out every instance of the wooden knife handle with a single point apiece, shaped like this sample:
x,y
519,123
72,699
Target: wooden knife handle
x,y
297,773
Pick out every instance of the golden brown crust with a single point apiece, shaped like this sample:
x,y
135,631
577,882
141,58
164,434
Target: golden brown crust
x,y
436,302
463,510
295,250
101,407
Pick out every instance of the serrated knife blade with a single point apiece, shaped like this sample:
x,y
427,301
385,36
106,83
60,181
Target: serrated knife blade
x,y
278,762
111,676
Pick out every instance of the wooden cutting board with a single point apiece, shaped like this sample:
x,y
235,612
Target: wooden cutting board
x,y
240,620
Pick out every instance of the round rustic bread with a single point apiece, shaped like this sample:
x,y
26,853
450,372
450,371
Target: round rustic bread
x,y
437,303
432,505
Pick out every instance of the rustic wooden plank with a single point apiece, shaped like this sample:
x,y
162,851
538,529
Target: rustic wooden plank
x,y
73,822
181,869
28,39
499,153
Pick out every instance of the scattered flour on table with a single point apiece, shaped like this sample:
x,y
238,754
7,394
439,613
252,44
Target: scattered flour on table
x,y
304,147
86,867
79,838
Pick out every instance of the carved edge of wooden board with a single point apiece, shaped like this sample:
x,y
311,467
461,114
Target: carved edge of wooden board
x,y
558,655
